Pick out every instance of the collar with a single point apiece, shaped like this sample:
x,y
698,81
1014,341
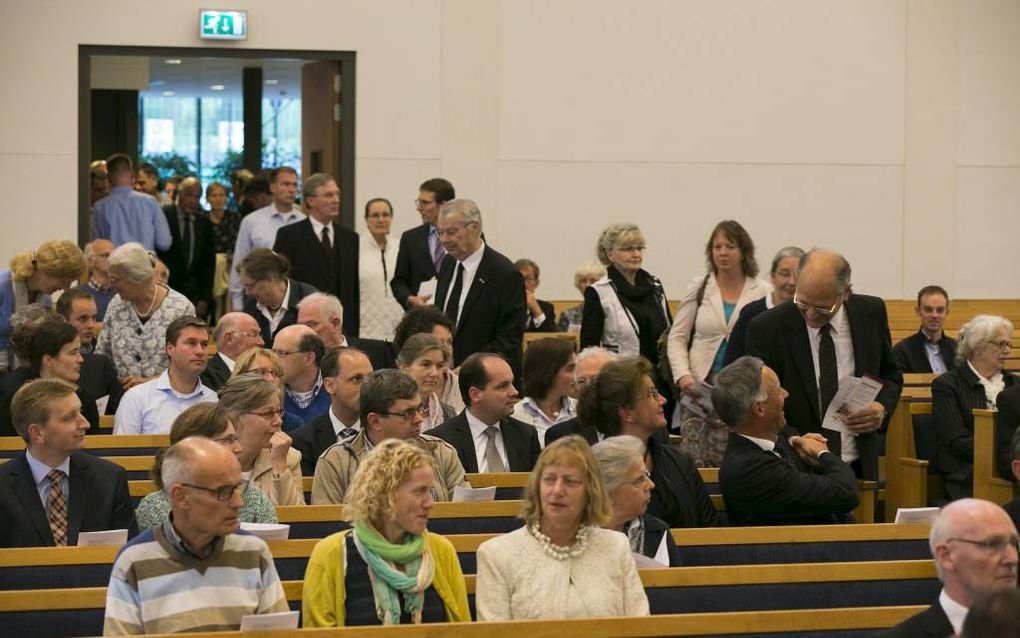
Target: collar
x,y
474,258
769,303
162,382
180,545
123,189
996,378
285,304
765,444
317,226
275,212
226,360
40,470
313,392
955,612
338,425
925,338
478,426
839,322
95,285
566,409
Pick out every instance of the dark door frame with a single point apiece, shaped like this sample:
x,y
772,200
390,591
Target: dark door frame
x,y
348,67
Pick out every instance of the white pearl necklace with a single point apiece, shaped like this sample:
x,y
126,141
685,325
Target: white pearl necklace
x,y
562,553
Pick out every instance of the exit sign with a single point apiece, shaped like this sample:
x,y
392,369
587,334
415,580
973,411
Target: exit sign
x,y
223,25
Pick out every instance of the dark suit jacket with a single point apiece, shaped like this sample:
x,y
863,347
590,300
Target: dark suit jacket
x,y
312,439
298,291
549,325
519,439
679,497
736,346
10,384
216,373
911,357
1006,422
930,623
414,263
99,500
99,379
380,353
335,273
1013,509
571,426
760,489
196,282
492,319
780,337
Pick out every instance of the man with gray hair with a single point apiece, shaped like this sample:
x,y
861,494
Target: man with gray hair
x,y
479,289
587,367
762,478
323,313
974,545
235,333
191,257
828,334
194,571
321,252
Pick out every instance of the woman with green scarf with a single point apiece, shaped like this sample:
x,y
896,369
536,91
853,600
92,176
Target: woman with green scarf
x,y
388,569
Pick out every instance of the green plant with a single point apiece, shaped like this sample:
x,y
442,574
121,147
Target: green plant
x,y
170,164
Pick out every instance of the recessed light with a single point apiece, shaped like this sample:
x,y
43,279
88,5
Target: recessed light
x,y
156,83
172,61
168,93
216,87
272,81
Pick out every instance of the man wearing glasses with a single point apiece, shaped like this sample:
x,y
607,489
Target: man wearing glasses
x,y
389,410
301,351
974,544
825,334
421,254
193,572
235,333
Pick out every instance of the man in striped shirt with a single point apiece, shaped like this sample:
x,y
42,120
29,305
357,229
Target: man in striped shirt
x,y
195,571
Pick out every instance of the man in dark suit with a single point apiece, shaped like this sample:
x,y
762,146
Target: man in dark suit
x,y
324,314
974,544
930,350
823,335
587,367
421,254
191,257
343,370
487,439
235,333
53,491
97,376
763,481
479,289
540,315
321,251
1013,507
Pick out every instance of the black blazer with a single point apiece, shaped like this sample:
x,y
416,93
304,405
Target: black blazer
x,y
911,357
492,319
655,531
736,346
679,497
930,623
196,282
780,337
298,291
216,373
414,263
10,384
760,489
312,439
520,441
335,273
572,426
1006,421
99,379
99,500
549,325
380,353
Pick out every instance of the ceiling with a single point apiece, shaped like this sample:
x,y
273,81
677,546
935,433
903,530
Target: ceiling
x,y
193,77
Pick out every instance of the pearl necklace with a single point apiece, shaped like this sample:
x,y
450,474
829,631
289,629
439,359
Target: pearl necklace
x,y
152,306
562,553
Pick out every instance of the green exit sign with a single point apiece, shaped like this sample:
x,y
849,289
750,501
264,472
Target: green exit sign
x,y
222,25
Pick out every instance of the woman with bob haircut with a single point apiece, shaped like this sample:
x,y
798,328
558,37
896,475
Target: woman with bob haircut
x,y
388,569
548,372
423,357
562,563
266,363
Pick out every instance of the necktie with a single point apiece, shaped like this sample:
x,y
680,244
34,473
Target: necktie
x,y
346,434
784,454
453,300
326,243
439,252
187,240
57,512
493,461
828,382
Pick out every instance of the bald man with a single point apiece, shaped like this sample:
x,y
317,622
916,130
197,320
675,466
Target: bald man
x,y
301,352
823,335
191,257
235,333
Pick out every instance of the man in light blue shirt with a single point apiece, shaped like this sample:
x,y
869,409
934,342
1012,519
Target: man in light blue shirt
x,y
151,407
258,230
125,215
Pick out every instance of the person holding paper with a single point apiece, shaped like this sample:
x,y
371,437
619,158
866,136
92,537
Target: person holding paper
x,y
421,253
54,491
389,569
826,334
194,571
390,409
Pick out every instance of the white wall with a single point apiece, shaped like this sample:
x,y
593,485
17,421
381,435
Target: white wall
x,y
887,129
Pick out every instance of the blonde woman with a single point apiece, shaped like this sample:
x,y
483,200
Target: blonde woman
x,y
266,364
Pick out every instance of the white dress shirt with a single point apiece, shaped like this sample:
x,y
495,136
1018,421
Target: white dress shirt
x,y
470,268
955,612
481,440
317,226
227,361
275,317
527,410
339,426
845,367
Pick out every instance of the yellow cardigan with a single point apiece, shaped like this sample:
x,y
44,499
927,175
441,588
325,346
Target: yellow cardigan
x,y
322,601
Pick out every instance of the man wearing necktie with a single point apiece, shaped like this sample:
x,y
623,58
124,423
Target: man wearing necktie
x,y
823,335
421,253
54,491
191,257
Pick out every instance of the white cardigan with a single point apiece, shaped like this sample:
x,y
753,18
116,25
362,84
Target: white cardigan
x,y
711,327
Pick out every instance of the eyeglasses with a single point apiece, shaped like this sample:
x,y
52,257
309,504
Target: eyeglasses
x,y
1005,346
267,371
227,440
452,230
251,334
630,249
653,394
423,202
993,545
640,481
285,353
222,493
268,414
406,415
822,311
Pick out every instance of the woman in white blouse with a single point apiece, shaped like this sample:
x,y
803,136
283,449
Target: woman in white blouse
x,y
380,312
548,372
561,564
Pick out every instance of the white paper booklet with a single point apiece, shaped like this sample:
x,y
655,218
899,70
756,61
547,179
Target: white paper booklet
x,y
268,531
924,515
461,493
853,394
105,537
265,622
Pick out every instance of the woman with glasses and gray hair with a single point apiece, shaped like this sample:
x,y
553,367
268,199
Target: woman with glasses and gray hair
x,y
975,383
211,421
629,485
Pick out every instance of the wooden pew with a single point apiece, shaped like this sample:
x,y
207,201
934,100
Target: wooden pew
x,y
531,337
906,476
987,482
100,444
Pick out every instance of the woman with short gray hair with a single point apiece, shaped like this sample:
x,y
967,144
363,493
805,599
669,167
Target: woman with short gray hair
x,y
586,274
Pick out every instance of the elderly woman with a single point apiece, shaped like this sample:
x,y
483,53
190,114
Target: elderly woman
x,y
266,364
586,274
698,338
975,382
134,330
548,372
783,275
629,485
626,310
389,569
622,399
435,322
268,462
211,421
271,296
562,563
33,277
423,357
380,311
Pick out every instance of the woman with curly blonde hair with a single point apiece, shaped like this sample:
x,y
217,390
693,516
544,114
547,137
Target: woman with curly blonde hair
x,y
33,276
388,569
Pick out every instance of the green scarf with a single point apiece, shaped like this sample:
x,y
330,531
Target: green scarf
x,y
387,580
